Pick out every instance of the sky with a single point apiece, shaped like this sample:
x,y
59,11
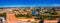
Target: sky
x,y
14,3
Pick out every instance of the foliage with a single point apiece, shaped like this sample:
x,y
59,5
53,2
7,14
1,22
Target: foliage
x,y
52,12
35,22
3,15
28,16
41,17
20,15
37,16
51,17
37,9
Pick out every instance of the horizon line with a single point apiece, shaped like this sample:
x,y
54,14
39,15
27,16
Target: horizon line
x,y
29,5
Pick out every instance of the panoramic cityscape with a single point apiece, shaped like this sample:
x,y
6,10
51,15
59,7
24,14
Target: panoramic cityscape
x,y
29,14
29,11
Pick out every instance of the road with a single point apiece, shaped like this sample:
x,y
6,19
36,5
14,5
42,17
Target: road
x,y
52,21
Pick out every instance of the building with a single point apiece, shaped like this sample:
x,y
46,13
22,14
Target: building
x,y
10,18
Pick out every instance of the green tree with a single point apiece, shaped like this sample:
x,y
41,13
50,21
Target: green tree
x,y
28,16
42,17
52,11
19,15
37,16
3,15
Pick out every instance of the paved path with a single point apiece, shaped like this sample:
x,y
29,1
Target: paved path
x,y
52,21
21,21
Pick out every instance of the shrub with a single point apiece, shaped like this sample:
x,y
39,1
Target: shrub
x,y
3,15
28,16
20,15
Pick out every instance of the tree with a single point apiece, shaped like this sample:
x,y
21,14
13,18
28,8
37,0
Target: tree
x,y
28,16
52,11
42,17
3,15
38,10
20,15
37,16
